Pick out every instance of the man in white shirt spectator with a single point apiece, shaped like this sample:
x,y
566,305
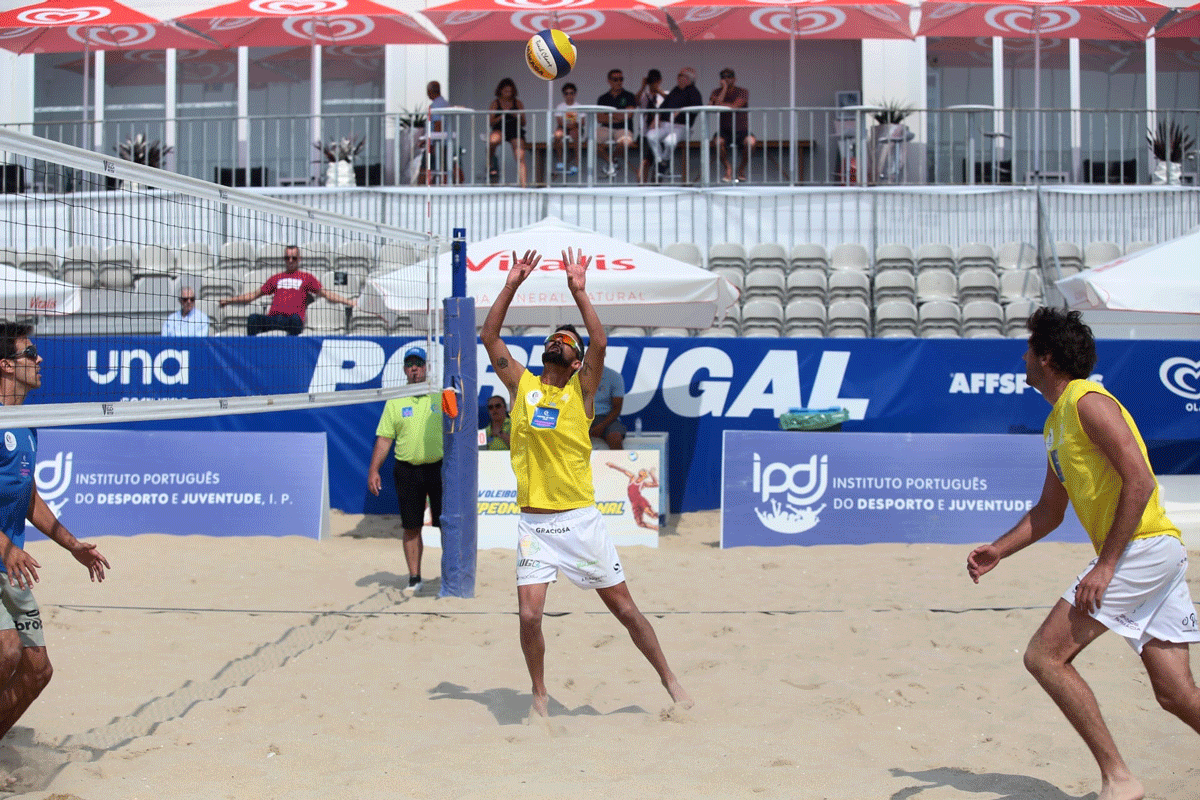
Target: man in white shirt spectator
x,y
188,320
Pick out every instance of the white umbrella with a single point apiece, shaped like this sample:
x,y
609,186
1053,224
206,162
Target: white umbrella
x,y
628,285
30,294
1161,278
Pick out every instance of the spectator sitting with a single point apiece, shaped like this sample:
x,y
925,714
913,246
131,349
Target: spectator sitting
x,y
610,397
735,126
188,320
292,291
569,133
499,428
507,122
668,130
613,128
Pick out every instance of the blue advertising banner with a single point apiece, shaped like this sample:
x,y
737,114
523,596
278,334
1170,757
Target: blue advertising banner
x,y
103,482
692,389
786,487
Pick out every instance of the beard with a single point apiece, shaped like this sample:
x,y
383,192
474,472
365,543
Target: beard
x,y
555,357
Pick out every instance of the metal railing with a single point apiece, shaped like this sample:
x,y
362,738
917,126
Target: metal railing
x,y
962,145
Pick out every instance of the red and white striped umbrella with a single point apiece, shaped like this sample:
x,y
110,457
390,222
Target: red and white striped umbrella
x,y
280,23
66,26
1068,19
517,20
801,19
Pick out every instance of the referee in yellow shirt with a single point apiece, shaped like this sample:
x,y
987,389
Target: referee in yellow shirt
x,y
414,424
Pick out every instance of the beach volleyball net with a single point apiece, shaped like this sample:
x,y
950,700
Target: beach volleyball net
x,y
97,252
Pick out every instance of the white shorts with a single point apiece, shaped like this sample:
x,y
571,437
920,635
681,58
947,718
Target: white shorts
x,y
574,543
1148,597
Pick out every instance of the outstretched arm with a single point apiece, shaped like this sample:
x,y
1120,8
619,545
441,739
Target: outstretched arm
x,y
627,473
1044,517
85,553
502,362
243,298
593,361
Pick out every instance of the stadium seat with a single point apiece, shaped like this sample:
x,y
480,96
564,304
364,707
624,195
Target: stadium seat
x,y
1016,255
396,254
10,256
195,257
765,281
347,283
982,319
115,269
848,318
717,331
895,318
768,254
357,254
79,265
806,283
1020,284
978,283
216,314
1133,247
271,256
1015,314
236,256
849,257
155,259
1068,256
732,274
326,317
935,256
1096,254
936,284
894,284
253,279
730,324
894,257
686,252
364,324
975,254
317,255
727,254
810,256
939,319
804,317
651,246
40,259
216,285
847,284
627,330
762,317
678,332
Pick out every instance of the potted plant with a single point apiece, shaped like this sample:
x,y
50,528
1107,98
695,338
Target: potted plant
x,y
889,136
140,150
340,154
1170,143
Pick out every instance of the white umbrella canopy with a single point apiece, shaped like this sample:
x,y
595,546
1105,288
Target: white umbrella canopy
x,y
628,285
1161,279
30,294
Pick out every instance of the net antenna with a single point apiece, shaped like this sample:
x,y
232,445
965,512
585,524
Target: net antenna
x,y
97,251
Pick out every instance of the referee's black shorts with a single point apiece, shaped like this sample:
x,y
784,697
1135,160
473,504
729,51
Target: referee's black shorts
x,y
414,484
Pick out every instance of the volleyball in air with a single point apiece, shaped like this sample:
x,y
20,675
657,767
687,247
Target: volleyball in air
x,y
550,54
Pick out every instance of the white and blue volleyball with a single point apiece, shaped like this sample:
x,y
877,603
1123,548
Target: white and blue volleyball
x,y
550,54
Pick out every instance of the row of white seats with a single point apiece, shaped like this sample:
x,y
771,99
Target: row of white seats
x,y
972,283
855,257
200,258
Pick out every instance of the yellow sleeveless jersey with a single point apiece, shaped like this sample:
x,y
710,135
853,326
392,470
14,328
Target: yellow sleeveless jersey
x,y
550,446
1090,480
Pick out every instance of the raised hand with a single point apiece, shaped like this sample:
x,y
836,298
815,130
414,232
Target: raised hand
x,y
522,268
576,267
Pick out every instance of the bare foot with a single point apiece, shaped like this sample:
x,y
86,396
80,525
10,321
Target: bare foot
x,y
540,706
1129,789
679,694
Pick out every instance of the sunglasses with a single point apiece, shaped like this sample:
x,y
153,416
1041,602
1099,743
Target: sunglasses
x,y
187,299
291,258
494,405
618,79
29,352
565,337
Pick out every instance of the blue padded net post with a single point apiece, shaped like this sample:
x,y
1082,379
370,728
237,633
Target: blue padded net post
x,y
460,465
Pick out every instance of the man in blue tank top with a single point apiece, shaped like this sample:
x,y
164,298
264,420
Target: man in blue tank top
x,y
24,666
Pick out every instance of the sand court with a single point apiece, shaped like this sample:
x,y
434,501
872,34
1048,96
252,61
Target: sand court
x,y
264,667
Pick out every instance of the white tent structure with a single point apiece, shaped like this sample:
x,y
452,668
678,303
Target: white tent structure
x,y
33,294
1162,279
628,285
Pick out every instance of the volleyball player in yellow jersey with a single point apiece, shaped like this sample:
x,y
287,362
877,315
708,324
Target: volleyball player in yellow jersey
x,y
1136,585
560,529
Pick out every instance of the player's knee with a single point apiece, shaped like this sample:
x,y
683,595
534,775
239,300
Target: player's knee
x,y
1182,701
35,669
10,654
1034,660
530,617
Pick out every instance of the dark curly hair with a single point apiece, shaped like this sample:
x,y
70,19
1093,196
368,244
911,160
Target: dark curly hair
x,y
10,332
1063,336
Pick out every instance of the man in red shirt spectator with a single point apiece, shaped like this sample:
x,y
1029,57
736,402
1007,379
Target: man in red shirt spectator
x,y
292,291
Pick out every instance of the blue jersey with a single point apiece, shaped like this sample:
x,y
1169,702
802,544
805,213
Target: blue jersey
x,y
18,461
